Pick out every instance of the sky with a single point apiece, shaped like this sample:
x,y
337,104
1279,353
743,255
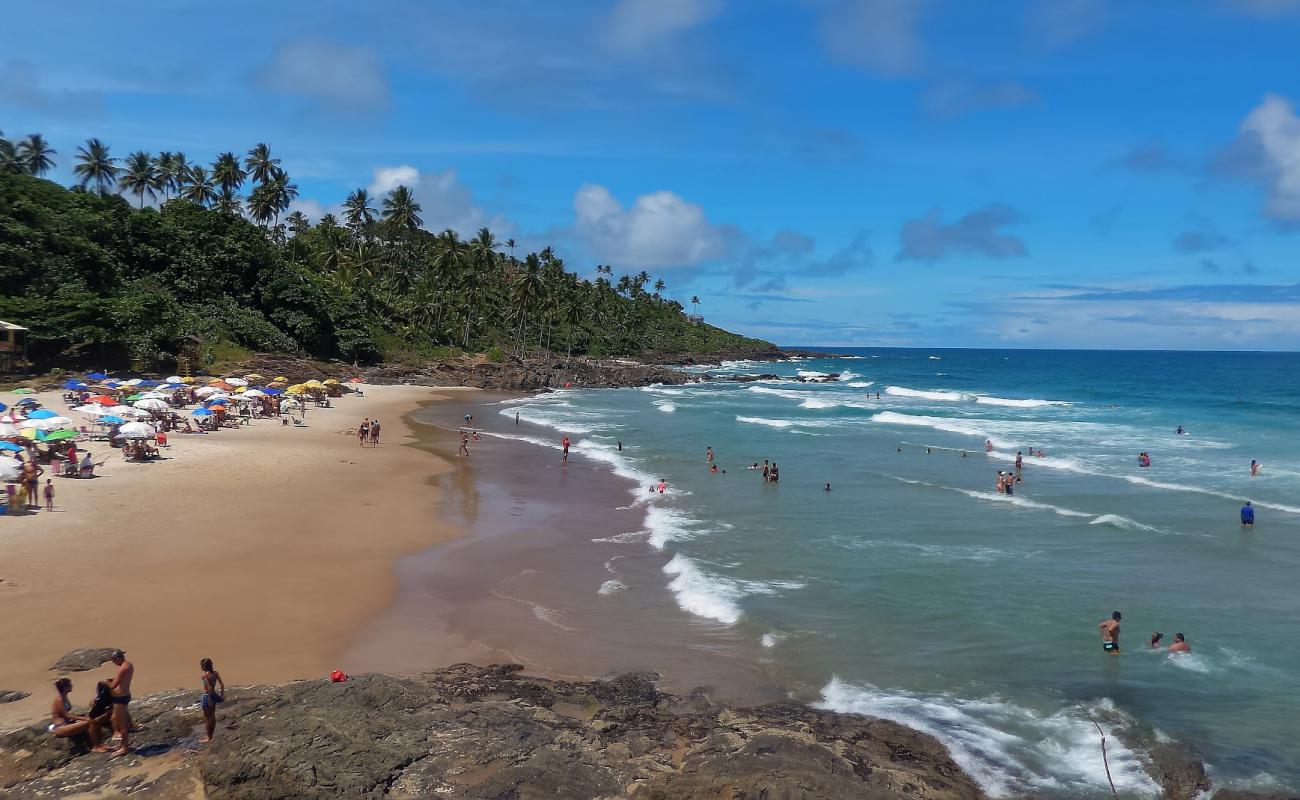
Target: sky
x,y
1009,173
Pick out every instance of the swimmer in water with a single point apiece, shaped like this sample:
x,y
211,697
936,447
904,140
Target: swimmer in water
x,y
1020,460
663,486
1248,516
828,487
1110,633
988,445
1155,640
1002,483
1180,430
714,469
1254,468
708,454
1180,645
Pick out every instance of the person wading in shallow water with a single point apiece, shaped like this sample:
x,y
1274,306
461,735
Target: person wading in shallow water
x,y
1110,633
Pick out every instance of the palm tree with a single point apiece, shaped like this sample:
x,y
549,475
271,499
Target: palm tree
x,y
260,165
95,165
263,205
659,287
283,193
197,187
401,210
165,168
140,176
180,170
227,173
297,222
35,155
357,209
227,202
695,304
8,156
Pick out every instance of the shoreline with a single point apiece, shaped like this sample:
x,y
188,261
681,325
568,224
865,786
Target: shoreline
x,y
265,548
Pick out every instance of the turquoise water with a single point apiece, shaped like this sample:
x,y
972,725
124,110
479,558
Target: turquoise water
x,y
913,591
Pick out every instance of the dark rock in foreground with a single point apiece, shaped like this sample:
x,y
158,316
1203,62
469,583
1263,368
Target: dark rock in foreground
x,y
83,659
7,696
490,732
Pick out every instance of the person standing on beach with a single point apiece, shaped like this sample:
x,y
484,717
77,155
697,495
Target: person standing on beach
x,y
120,686
516,419
363,432
374,433
464,444
49,495
565,443
1248,516
211,696
1110,633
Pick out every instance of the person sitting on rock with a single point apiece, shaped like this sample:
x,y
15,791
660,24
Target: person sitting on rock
x,y
64,724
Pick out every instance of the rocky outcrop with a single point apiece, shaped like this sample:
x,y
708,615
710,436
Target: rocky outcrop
x,y
83,659
8,696
515,375
490,732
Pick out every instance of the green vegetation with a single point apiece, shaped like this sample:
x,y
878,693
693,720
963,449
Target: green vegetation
x,y
105,281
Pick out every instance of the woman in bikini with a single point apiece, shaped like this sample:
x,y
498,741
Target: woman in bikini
x,y
214,690
64,724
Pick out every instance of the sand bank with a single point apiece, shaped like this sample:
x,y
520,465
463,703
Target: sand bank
x,y
264,548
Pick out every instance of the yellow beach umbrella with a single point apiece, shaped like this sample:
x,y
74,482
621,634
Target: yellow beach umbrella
x,y
314,385
297,388
253,376
282,379
331,382
187,379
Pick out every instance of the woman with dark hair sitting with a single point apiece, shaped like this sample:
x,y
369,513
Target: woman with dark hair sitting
x,y
65,724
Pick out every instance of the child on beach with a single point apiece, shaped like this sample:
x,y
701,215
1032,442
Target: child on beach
x,y
363,432
211,696
49,495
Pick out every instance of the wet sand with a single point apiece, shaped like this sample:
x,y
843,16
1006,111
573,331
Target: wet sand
x,y
524,583
265,548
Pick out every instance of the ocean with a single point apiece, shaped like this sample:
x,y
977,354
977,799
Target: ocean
x,y
913,591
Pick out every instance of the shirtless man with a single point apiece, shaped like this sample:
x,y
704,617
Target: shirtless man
x,y
708,454
120,684
1180,645
1110,633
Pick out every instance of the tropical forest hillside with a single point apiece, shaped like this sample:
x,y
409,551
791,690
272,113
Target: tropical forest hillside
x,y
153,259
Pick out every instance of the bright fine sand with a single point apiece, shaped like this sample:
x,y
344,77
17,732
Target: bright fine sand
x,y
264,548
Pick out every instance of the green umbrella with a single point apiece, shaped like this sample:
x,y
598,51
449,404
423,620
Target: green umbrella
x,y
24,390
134,397
56,436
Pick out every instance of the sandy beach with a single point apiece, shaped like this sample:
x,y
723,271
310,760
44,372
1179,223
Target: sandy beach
x,y
264,548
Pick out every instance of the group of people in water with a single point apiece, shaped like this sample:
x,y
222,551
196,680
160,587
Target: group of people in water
x,y
1110,637
109,711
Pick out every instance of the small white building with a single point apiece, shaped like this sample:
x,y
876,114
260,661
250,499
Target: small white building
x,y
13,345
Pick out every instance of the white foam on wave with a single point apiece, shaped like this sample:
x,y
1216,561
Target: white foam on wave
x,y
859,384
989,400
702,594
1121,522
618,463
968,427
771,423
612,586
810,373
848,374
789,394
770,640
659,388
818,402
1051,462
546,416
665,406
783,424
1008,749
1022,502
948,397
1186,487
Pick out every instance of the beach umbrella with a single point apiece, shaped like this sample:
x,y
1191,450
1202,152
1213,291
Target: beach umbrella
x,y
102,399
356,380
253,376
3,407
331,381
10,447
8,430
27,401
236,381
41,413
48,424
186,379
109,419
74,385
136,413
151,404
172,379
314,384
12,417
132,398
216,408
206,390
272,391
154,396
137,430
24,390
92,409
56,436
10,469
200,412
297,388
133,382
254,393
149,383
97,376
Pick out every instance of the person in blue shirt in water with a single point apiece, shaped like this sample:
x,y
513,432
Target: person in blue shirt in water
x,y
1248,515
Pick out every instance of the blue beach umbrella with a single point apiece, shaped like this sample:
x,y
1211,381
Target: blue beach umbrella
x,y
273,391
41,413
11,447
3,407
200,412
96,376
74,385
27,401
109,419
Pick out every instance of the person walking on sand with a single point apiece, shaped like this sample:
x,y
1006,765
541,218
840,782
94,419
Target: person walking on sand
x,y
214,691
1110,633
1180,645
363,432
120,686
374,433
65,724
464,444
565,443
1248,516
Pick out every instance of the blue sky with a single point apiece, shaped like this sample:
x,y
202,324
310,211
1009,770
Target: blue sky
x,y
1012,173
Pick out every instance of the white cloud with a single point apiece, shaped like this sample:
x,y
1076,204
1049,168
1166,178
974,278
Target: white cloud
x,y
1060,22
338,76
879,35
445,201
636,25
659,230
957,98
1274,131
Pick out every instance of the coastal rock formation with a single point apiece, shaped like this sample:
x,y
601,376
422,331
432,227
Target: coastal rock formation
x,y
490,732
8,696
83,659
